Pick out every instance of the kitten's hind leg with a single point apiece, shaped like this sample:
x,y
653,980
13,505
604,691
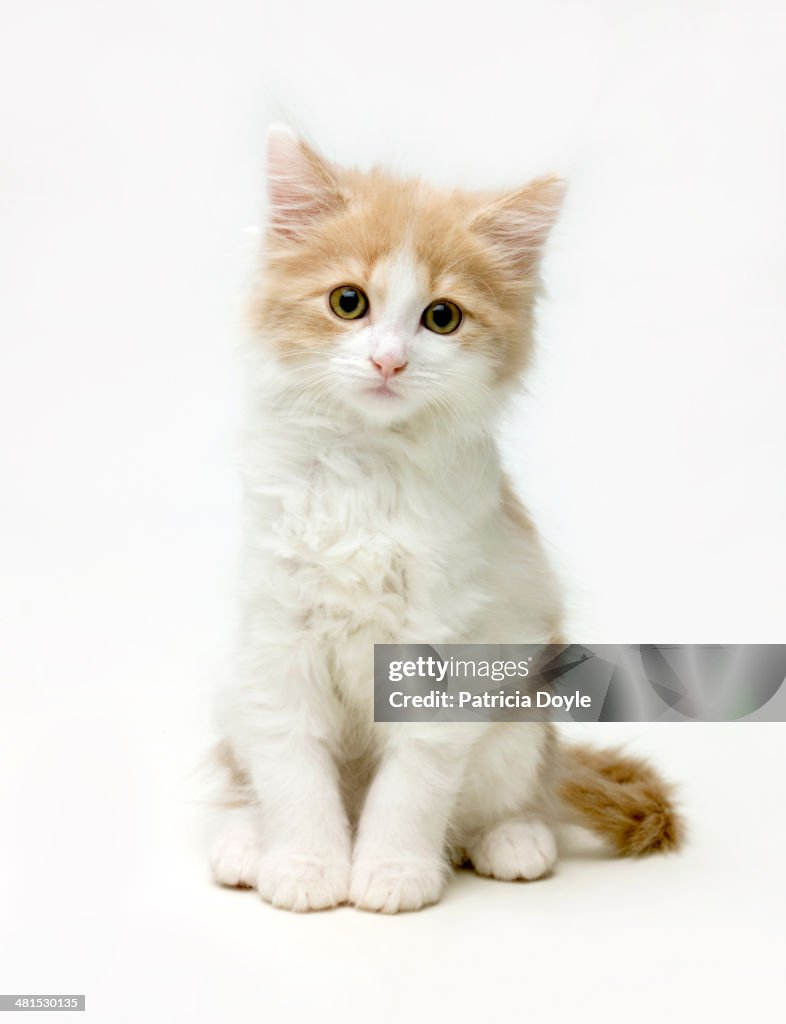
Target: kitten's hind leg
x,y
502,818
517,849
235,850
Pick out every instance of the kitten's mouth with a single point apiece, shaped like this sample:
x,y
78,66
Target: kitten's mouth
x,y
383,391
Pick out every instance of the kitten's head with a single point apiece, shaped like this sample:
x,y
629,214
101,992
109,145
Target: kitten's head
x,y
393,298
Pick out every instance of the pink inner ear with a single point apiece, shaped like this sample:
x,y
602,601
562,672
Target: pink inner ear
x,y
301,186
519,223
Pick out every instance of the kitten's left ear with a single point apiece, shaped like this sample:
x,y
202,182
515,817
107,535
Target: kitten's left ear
x,y
302,187
518,223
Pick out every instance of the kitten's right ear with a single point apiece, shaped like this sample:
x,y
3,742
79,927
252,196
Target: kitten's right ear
x,y
302,187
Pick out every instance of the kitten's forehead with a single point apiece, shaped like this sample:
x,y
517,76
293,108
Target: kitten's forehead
x,y
400,282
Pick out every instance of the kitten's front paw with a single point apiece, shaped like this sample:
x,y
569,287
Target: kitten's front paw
x,y
392,885
516,849
300,882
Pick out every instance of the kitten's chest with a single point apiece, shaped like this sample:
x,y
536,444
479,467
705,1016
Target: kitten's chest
x,y
378,547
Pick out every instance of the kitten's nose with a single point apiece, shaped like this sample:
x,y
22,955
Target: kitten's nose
x,y
389,364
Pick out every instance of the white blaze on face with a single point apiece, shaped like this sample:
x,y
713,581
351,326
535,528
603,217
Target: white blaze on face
x,y
400,285
389,366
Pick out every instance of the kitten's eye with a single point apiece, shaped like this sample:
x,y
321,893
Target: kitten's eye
x,y
442,317
348,302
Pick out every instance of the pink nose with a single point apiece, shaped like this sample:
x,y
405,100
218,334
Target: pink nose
x,y
388,365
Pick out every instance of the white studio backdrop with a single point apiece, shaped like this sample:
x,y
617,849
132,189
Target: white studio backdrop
x,y
650,446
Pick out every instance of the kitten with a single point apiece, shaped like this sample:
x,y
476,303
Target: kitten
x,y
391,323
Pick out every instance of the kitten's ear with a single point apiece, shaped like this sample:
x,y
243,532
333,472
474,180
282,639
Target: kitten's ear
x,y
518,223
302,187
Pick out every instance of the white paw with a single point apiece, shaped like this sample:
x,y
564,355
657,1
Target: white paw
x,y
516,849
392,885
301,882
234,856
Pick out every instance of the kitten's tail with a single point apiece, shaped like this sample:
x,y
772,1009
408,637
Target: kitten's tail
x,y
620,798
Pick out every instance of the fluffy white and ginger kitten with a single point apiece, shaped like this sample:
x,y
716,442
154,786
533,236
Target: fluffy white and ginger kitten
x,y
391,323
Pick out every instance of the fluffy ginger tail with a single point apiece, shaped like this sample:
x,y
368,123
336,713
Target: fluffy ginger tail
x,y
620,798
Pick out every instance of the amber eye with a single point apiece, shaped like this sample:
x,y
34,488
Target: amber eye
x,y
442,317
348,302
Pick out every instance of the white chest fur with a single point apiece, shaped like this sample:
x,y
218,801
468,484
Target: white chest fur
x,y
376,534
356,537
